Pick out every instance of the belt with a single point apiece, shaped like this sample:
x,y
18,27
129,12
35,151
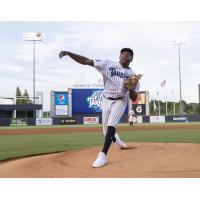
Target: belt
x,y
114,98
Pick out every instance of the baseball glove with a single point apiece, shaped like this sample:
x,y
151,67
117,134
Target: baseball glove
x,y
132,82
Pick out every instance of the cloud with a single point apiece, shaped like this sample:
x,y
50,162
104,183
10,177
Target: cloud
x,y
155,56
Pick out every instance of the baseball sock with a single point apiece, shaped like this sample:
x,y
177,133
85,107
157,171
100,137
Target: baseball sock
x,y
110,136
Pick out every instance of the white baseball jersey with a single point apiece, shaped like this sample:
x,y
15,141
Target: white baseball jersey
x,y
113,77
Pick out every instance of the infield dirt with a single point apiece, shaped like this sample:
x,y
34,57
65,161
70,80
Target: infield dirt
x,y
142,160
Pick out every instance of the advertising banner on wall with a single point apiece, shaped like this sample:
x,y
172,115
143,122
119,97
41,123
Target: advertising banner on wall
x,y
67,121
44,121
61,103
87,100
141,105
139,109
157,119
177,118
180,119
137,120
141,98
91,120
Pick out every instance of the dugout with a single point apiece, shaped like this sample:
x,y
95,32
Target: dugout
x,y
9,110
22,111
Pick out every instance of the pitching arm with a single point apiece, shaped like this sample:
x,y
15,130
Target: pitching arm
x,y
78,58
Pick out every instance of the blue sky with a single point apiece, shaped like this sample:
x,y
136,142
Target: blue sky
x,y
155,56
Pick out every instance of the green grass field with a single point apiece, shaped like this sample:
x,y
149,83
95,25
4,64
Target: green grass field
x,y
99,125
15,146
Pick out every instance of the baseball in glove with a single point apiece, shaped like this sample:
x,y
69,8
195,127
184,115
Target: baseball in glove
x,y
132,82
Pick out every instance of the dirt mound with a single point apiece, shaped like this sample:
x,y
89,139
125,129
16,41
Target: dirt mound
x,y
143,160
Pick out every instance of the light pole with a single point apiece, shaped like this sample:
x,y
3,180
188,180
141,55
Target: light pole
x,y
33,37
178,42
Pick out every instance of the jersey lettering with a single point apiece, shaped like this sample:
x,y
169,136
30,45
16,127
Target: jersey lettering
x,y
116,72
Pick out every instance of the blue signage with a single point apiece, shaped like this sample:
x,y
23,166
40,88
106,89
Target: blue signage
x,y
61,98
176,118
180,118
87,101
95,100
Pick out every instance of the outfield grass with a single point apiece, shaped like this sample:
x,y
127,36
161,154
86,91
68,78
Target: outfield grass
x,y
15,146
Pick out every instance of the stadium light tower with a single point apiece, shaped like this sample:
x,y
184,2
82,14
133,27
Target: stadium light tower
x,y
178,42
33,37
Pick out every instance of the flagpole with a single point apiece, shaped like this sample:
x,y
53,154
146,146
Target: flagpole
x,y
163,85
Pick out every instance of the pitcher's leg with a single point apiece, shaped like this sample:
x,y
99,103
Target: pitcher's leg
x,y
114,118
108,133
116,113
110,137
111,129
106,108
117,110
119,143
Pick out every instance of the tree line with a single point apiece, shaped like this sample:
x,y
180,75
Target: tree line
x,y
188,108
22,98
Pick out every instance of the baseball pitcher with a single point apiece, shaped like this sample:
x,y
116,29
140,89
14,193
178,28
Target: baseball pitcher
x,y
120,82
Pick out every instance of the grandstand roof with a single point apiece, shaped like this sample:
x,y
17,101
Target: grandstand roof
x,y
7,101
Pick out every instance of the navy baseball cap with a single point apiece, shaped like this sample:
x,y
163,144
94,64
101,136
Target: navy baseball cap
x,y
127,50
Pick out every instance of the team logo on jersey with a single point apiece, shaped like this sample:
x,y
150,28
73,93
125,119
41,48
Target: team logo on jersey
x,y
61,99
116,72
95,100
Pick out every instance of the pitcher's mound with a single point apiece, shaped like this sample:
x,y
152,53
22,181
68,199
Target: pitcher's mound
x,y
139,160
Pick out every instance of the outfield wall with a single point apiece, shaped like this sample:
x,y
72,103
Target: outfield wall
x,y
79,119
5,121
167,119
97,119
